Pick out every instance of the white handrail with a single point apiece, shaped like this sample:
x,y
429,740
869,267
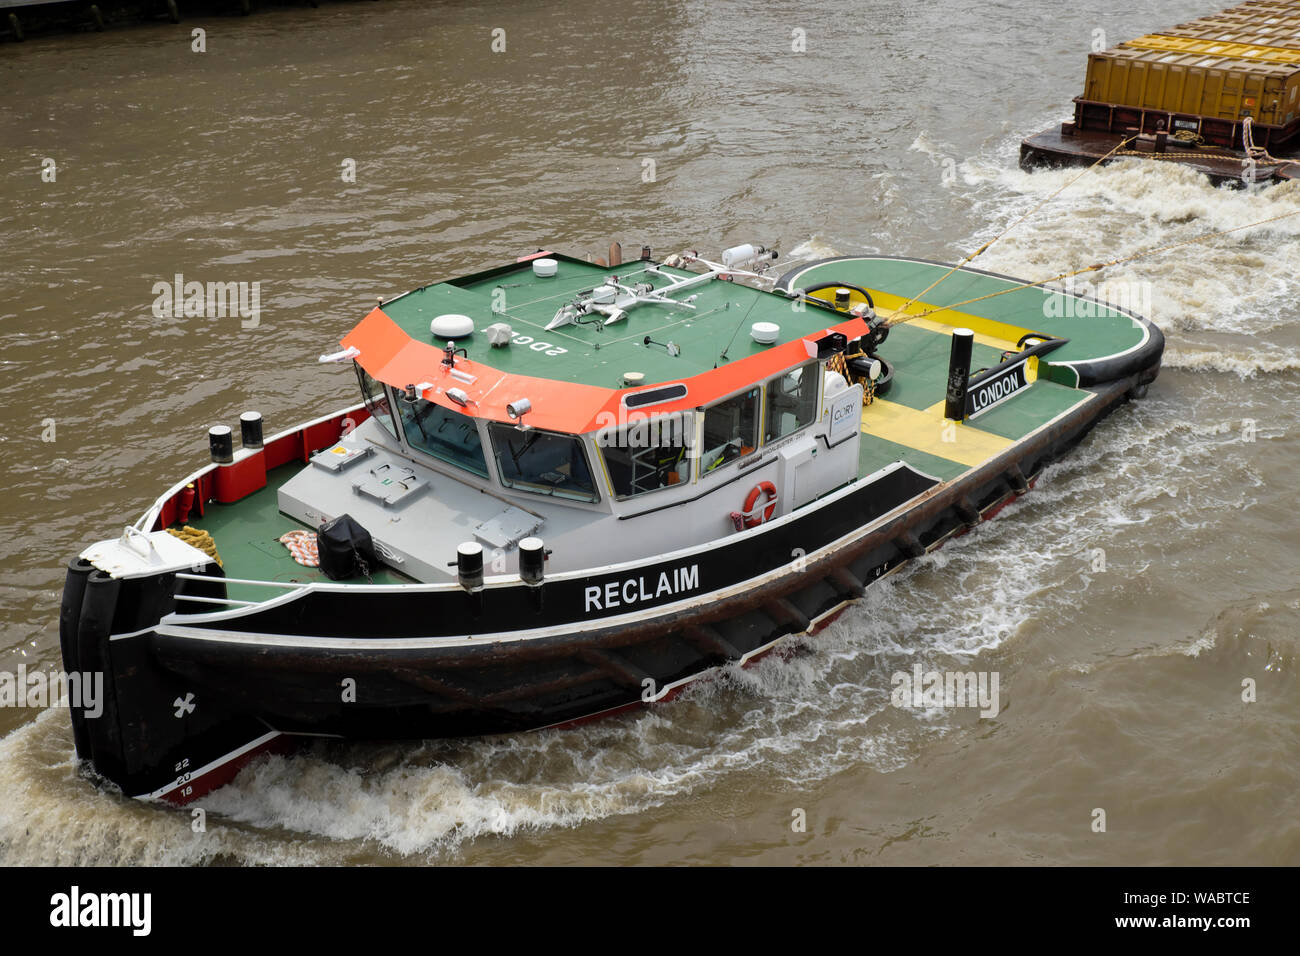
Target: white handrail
x,y
265,584
208,600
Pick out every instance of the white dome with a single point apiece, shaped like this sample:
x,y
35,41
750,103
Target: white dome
x,y
452,326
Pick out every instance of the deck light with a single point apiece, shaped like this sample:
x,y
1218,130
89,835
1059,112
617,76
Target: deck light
x,y
350,352
519,408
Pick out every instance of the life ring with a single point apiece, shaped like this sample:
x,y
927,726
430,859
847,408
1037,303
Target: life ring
x,y
762,488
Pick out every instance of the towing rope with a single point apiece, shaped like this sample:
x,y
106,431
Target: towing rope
x,y
1258,154
1096,267
202,540
981,249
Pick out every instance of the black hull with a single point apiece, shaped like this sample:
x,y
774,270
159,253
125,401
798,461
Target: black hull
x,y
187,703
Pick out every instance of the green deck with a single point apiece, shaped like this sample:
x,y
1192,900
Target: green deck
x,y
920,360
595,354
875,453
1093,329
718,330
246,534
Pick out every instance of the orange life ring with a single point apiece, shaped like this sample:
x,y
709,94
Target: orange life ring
x,y
762,488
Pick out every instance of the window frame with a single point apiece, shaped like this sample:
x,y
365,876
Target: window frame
x,y
545,491
690,420
368,400
760,397
815,407
485,474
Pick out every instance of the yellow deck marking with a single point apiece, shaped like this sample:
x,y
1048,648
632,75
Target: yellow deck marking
x,y
999,335
926,430
944,329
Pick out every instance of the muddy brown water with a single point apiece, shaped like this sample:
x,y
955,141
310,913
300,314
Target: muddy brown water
x,y
1122,604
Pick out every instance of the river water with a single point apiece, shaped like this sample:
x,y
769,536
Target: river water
x,y
1123,603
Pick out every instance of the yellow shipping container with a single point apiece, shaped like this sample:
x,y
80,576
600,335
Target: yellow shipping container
x,y
1194,84
1267,6
1255,22
1219,35
1261,52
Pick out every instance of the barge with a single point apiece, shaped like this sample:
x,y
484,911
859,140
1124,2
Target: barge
x,y
1218,94
568,490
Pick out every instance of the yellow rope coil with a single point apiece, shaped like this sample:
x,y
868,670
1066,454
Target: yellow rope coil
x,y
196,538
1267,161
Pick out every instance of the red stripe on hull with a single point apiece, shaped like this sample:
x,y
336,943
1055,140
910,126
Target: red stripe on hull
x,y
219,776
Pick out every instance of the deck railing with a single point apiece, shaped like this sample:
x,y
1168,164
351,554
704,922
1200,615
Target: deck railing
x,y
233,602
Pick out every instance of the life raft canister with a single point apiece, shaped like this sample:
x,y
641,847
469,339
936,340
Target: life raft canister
x,y
751,519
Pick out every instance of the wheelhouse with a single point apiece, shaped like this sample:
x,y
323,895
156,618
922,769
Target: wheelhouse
x,y
532,408
649,453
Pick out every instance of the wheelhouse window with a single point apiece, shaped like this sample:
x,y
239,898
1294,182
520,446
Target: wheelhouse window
x,y
649,455
375,395
542,462
791,401
446,435
730,430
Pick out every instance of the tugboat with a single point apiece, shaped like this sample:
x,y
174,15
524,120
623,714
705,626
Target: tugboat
x,y
570,489
1218,94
